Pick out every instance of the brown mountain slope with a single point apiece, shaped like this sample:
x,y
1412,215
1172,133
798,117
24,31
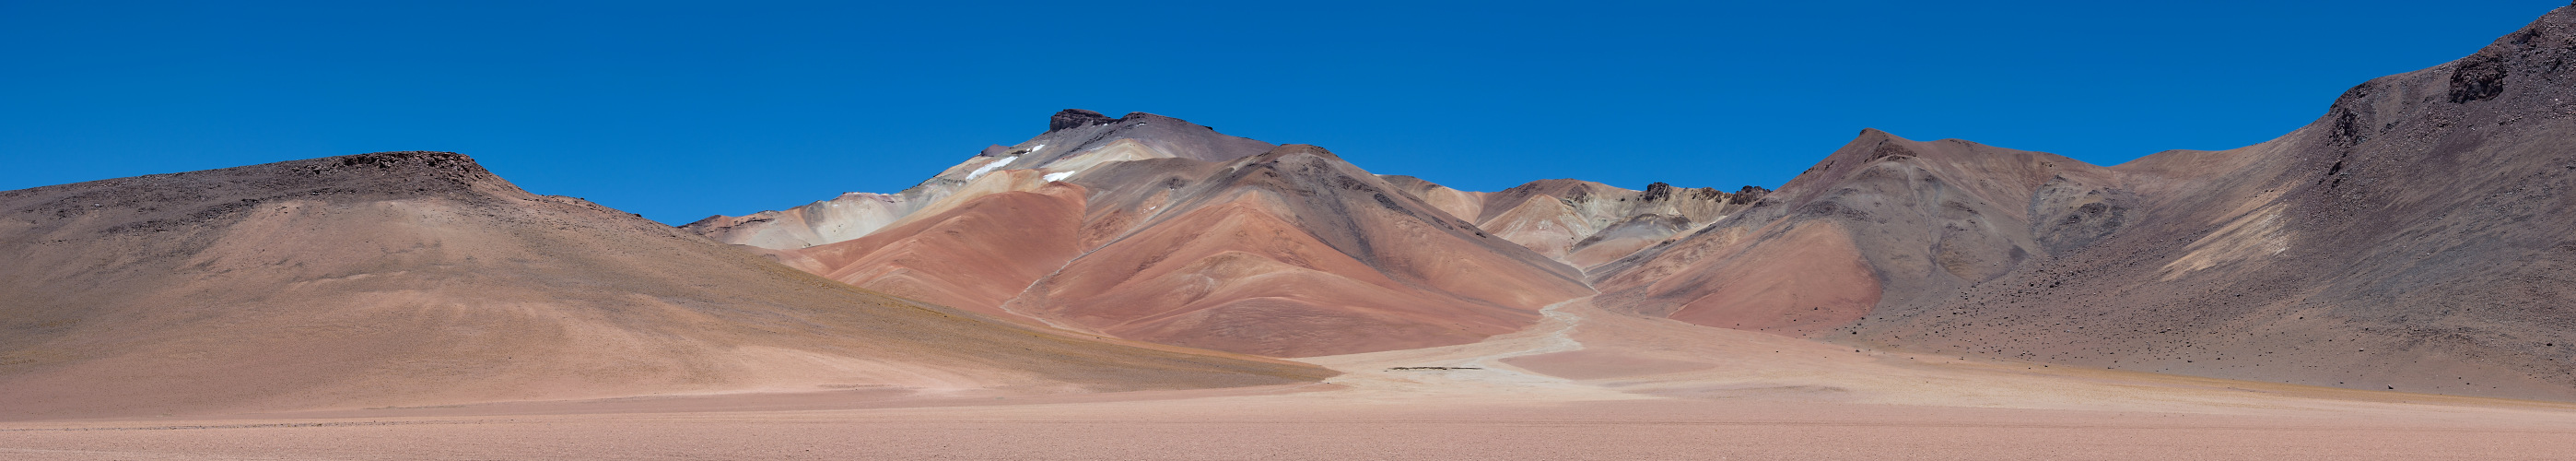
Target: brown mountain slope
x,y
1583,223
1290,253
1881,220
1587,223
409,278
971,257
2420,236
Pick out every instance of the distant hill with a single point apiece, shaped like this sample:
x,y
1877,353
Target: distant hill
x,y
2421,236
419,278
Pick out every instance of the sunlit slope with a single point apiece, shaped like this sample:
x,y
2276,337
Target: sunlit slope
x,y
413,278
1290,253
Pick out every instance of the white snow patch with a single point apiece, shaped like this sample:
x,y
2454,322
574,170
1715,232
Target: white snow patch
x,y
988,167
1053,177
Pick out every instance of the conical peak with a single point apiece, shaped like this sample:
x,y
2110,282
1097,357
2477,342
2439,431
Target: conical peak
x,y
1873,144
1294,149
1875,135
1554,186
1870,137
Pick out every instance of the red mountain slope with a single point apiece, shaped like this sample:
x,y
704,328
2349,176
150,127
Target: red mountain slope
x,y
409,278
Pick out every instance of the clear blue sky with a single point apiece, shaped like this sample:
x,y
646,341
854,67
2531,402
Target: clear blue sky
x,y
685,109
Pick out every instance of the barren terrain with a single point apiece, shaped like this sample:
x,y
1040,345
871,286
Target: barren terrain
x,y
418,278
1581,384
2384,283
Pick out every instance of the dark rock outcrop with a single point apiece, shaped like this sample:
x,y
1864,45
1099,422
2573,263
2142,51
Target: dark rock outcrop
x,y
1077,118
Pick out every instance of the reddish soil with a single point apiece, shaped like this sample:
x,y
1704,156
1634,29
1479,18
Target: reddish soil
x,y
973,256
1809,280
1291,253
418,279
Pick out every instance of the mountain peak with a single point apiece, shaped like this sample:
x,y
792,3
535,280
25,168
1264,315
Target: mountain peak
x,y
1077,118
396,172
447,164
1148,117
1309,149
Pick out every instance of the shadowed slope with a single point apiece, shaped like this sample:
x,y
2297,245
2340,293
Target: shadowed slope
x,y
2417,238
2420,236
409,278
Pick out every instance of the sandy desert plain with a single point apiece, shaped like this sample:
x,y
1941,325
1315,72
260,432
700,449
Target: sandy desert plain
x,y
1583,385
2395,280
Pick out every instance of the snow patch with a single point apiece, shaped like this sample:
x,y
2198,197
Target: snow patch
x,y
1053,177
988,167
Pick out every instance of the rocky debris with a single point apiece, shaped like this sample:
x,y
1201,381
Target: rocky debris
x,y
1747,195
2067,214
177,199
1077,118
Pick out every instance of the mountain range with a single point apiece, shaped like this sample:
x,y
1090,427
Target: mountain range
x,y
2415,237
2419,236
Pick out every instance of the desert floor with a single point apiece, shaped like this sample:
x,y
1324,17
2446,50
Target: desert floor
x,y
1584,384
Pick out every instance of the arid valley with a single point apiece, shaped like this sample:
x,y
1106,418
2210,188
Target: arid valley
x,y
2394,280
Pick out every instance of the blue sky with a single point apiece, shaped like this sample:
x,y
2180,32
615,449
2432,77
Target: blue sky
x,y
685,109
